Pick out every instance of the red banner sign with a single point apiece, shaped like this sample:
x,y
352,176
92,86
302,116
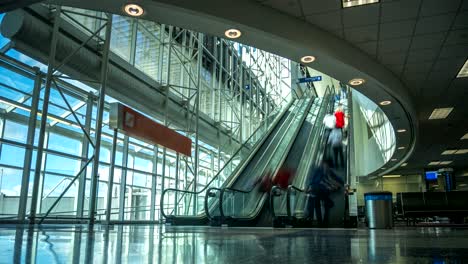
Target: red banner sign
x,y
139,126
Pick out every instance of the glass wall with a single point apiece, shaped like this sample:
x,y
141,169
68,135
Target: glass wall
x,y
237,86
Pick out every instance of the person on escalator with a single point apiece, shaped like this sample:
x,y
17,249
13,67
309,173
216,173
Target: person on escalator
x,y
284,177
322,182
335,144
335,138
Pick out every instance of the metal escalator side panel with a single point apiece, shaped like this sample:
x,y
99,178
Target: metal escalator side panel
x,y
202,217
256,200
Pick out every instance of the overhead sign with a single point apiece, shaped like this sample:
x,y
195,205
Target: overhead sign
x,y
134,124
310,79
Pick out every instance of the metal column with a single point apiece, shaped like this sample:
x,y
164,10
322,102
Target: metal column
x,y
45,109
29,146
123,179
100,113
197,109
84,154
111,177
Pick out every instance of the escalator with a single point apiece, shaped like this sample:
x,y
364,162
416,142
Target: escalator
x,y
241,206
288,205
187,206
241,202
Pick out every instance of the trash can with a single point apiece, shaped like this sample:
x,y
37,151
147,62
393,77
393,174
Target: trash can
x,y
379,209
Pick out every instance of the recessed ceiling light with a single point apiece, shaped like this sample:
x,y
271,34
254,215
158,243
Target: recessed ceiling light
x,y
463,71
404,164
465,136
351,3
434,163
440,113
401,147
393,159
308,59
356,81
386,102
449,152
462,185
446,162
232,33
133,10
391,176
383,168
401,130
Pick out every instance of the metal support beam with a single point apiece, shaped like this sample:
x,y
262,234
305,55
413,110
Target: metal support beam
x,y
154,182
111,177
100,113
197,111
84,154
123,179
45,109
29,146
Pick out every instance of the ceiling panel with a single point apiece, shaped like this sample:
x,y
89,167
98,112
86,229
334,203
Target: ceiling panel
x,y
397,29
361,34
392,58
394,45
422,55
451,65
328,21
434,7
290,7
395,68
400,10
461,21
319,6
457,37
428,41
369,47
432,24
454,51
423,67
361,16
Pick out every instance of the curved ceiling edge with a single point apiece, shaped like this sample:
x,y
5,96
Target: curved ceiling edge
x,y
292,38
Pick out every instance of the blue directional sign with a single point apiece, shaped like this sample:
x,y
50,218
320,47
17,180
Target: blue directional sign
x,y
247,86
310,79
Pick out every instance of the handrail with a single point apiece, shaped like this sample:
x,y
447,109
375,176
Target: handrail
x,y
272,200
208,194
221,197
229,160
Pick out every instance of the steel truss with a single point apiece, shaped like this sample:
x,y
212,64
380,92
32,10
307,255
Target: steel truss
x,y
234,85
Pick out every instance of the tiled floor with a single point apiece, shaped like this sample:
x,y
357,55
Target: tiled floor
x,y
159,244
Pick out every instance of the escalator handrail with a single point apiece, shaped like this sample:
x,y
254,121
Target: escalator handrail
x,y
255,147
208,192
221,196
272,199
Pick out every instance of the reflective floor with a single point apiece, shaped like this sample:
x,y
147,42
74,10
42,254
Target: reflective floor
x,y
160,244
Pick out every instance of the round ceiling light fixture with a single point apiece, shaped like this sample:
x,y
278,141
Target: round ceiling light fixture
x,y
356,81
385,102
308,59
401,130
133,10
232,33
